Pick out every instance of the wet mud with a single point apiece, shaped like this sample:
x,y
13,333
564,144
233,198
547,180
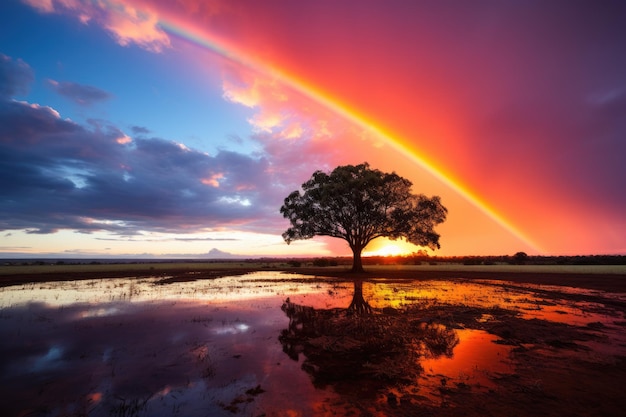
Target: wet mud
x,y
281,344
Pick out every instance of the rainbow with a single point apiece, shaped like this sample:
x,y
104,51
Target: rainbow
x,y
232,53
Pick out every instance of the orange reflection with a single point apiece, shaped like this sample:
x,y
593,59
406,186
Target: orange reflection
x,y
94,398
475,361
527,300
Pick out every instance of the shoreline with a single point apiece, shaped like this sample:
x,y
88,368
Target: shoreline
x,y
602,277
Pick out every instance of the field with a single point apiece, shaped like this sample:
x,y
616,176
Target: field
x,y
605,277
126,267
271,339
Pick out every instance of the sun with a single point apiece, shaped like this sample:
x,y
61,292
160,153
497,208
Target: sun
x,y
388,250
386,247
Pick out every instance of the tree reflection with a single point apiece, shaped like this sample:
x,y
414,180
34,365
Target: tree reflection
x,y
374,347
359,305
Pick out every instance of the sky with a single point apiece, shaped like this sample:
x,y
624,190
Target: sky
x,y
176,128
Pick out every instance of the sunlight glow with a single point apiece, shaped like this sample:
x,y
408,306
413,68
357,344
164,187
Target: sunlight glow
x,y
388,247
387,250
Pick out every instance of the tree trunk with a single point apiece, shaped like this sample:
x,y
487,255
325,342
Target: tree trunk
x,y
357,264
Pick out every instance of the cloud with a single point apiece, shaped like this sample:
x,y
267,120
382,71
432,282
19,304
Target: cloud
x,y
45,6
244,92
127,23
140,130
130,25
16,76
93,176
204,239
141,238
281,113
298,135
85,95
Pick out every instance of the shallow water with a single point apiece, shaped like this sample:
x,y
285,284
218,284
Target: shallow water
x,y
134,347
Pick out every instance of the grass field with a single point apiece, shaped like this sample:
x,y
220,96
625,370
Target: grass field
x,y
543,269
125,266
163,267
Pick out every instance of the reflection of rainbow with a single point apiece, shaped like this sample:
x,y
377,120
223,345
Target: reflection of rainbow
x,y
230,52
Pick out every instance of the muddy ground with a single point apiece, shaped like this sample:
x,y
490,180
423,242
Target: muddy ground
x,y
556,369
556,373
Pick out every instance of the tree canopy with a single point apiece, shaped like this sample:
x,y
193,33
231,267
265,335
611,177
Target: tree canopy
x,y
359,204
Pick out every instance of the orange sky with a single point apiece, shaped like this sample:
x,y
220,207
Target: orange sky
x,y
437,84
515,108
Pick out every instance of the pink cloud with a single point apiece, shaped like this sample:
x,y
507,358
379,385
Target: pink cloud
x,y
45,6
124,140
242,87
213,180
131,25
129,22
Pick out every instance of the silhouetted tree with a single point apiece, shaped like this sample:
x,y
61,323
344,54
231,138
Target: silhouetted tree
x,y
359,204
520,258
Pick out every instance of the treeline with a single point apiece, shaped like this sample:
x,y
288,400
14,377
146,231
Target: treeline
x,y
418,258
519,258
532,260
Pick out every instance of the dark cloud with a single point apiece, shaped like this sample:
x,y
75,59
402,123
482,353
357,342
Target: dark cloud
x,y
85,95
204,239
140,130
177,239
57,174
15,77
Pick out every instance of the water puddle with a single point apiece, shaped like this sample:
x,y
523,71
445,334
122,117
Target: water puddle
x,y
271,344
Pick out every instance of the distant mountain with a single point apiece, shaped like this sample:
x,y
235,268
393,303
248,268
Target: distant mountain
x,y
219,254
212,254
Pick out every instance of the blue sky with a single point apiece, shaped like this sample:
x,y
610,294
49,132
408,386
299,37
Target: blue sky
x,y
104,88
138,82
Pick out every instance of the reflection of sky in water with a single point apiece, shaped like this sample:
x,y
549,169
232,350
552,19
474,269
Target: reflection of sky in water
x,y
137,290
49,360
104,347
232,329
472,363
